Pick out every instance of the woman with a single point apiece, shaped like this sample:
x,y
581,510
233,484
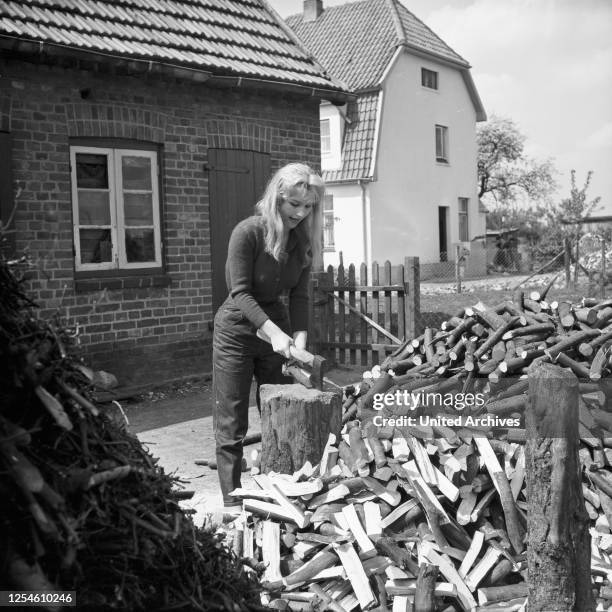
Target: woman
x,y
268,254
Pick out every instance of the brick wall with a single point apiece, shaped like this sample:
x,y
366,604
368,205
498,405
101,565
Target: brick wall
x,y
141,328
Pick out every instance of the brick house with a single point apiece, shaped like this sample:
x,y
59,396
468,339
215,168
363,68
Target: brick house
x,y
133,136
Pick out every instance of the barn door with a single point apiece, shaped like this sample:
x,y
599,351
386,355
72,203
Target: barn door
x,y
236,180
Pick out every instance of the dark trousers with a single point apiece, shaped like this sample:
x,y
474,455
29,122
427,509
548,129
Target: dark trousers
x,y
238,355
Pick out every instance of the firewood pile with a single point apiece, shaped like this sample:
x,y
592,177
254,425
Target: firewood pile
x,y
83,507
430,513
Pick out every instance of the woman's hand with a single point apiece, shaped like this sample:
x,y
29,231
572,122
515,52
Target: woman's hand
x,y
280,341
299,340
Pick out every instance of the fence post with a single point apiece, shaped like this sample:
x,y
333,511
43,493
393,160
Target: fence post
x,y
559,543
576,264
313,333
412,302
458,267
602,280
566,261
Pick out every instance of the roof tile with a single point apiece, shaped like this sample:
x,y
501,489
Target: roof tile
x,y
225,37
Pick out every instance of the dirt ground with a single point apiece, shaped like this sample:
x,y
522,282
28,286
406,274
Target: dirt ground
x,y
192,399
175,423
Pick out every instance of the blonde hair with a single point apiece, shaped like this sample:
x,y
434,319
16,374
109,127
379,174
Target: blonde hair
x,y
293,180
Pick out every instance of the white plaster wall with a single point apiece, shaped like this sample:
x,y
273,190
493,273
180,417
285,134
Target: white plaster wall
x,y
348,226
409,184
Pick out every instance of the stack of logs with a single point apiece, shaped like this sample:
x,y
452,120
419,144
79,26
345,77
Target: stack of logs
x,y
431,516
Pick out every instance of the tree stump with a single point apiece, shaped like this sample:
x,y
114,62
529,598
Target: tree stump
x,y
295,425
559,543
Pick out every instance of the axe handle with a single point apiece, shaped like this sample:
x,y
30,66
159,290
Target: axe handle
x,y
300,355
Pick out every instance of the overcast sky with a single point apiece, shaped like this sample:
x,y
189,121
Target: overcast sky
x,y
546,64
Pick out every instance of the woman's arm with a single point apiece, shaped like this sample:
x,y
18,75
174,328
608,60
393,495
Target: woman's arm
x,y
241,254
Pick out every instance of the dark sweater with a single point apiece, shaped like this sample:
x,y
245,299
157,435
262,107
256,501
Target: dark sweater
x,y
256,280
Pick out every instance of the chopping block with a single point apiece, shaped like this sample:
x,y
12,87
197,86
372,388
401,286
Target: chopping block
x,y
295,425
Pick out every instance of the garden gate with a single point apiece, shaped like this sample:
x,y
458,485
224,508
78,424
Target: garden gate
x,y
357,321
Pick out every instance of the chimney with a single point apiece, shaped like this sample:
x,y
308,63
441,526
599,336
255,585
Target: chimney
x,y
312,9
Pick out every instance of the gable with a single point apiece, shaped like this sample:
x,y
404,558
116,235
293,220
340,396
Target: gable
x,y
356,41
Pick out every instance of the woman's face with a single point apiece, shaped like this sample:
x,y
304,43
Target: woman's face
x,y
295,207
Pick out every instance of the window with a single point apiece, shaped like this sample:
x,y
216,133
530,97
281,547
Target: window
x,y
325,137
116,209
463,219
442,144
328,223
429,78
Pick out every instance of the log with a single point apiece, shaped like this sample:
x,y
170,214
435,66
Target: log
x,y
558,551
295,425
426,581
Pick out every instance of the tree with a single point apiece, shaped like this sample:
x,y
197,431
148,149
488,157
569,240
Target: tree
x,y
576,207
572,209
505,173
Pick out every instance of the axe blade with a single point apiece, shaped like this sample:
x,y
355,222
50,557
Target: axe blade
x,y
318,369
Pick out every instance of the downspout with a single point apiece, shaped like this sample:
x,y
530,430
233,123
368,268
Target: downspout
x,y
367,227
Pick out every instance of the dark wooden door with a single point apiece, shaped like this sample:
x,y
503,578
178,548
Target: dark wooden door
x,y
236,180
6,194
443,232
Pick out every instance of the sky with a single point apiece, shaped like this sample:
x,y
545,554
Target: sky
x,y
545,64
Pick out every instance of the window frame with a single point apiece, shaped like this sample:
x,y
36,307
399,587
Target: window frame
x,y
328,214
325,152
115,150
442,155
426,75
464,219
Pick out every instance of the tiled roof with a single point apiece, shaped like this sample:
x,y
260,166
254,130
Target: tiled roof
x,y
223,37
355,41
358,144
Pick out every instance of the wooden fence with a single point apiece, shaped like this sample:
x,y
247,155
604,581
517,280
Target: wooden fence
x,y
357,320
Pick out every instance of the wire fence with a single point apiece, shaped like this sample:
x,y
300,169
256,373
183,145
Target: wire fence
x,y
584,260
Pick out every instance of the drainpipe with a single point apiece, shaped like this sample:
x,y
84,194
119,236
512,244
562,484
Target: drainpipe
x,y
367,228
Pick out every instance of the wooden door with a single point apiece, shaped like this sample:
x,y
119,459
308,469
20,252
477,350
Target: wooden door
x,y
236,180
7,243
443,232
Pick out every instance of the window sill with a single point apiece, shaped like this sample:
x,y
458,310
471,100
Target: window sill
x,y
442,162
84,283
329,249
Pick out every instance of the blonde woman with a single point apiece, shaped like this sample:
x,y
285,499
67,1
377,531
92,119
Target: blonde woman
x,y
268,254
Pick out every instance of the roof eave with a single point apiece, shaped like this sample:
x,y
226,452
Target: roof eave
x,y
410,48
139,66
481,114
345,181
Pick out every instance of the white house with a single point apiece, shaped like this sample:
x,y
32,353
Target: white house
x,y
400,162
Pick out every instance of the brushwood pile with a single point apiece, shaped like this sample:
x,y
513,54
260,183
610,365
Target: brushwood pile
x,y
83,507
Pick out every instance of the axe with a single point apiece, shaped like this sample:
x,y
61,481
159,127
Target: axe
x,y
306,368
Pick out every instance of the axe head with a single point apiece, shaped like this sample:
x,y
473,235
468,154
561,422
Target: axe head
x,y
318,371
309,373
